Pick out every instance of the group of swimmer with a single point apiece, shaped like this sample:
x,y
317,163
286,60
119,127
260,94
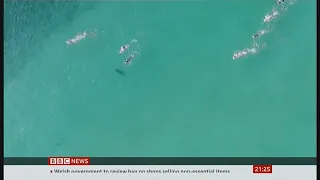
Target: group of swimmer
x,y
238,54
267,18
123,49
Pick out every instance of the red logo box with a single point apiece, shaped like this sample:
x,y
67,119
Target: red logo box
x,y
68,161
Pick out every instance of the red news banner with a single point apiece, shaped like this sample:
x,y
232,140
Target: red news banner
x,y
262,169
69,161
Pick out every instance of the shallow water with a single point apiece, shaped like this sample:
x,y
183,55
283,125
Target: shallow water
x,y
182,96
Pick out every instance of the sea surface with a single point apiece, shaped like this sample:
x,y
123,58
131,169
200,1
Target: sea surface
x,y
183,95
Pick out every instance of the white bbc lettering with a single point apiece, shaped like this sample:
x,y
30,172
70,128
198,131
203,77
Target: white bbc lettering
x,y
59,160
66,160
53,161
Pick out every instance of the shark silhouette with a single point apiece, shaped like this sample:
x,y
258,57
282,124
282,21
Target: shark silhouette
x,y
120,72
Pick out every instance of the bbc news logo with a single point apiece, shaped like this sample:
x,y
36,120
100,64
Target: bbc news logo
x,y
69,161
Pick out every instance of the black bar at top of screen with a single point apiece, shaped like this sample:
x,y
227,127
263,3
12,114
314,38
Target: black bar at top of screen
x,y
173,160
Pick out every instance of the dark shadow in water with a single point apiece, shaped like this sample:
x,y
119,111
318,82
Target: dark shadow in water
x,y
120,72
58,144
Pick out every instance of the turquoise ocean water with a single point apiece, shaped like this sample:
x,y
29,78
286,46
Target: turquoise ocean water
x,y
182,96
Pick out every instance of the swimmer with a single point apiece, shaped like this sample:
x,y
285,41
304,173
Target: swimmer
x,y
127,61
235,56
244,52
80,36
267,18
123,48
280,1
252,50
71,41
256,36
77,38
259,33
239,54
274,14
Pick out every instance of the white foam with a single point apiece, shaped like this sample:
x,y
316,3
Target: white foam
x,y
77,38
